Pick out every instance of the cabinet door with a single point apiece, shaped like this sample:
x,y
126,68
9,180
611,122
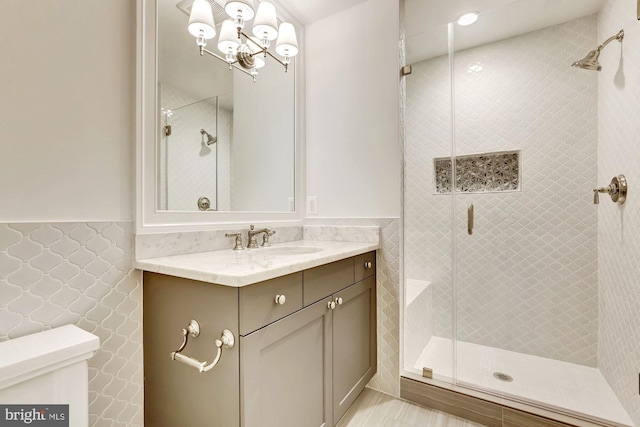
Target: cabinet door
x,y
286,371
354,343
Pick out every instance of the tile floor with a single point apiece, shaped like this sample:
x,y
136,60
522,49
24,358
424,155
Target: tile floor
x,y
375,409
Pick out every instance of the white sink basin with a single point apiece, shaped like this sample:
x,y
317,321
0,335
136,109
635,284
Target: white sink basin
x,y
290,250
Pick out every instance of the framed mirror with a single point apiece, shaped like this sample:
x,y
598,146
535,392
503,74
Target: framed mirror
x,y
216,144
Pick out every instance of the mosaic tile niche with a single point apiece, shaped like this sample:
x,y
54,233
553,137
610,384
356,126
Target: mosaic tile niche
x,y
479,173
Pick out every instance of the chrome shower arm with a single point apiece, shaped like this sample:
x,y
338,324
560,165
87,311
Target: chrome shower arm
x,y
618,37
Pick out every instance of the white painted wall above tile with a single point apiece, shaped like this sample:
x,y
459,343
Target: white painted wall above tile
x,y
67,113
352,143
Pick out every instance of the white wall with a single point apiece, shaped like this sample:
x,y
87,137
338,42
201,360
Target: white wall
x,y
67,113
263,130
67,121
352,139
619,227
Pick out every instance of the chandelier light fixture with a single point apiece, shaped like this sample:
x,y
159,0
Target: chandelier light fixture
x,y
245,53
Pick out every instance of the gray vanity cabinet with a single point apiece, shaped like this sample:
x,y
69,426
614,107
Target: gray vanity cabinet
x,y
176,394
307,369
354,343
298,361
286,371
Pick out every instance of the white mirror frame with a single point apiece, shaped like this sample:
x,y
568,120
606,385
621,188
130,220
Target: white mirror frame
x,y
148,218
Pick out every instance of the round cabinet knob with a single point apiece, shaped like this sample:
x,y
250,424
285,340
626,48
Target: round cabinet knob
x,y
339,301
281,299
368,264
331,305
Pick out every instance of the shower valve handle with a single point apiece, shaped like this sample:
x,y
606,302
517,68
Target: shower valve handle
x,y
596,196
617,189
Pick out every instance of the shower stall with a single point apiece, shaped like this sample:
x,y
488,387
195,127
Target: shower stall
x,y
501,283
194,161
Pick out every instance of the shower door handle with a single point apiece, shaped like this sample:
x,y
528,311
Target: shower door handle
x,y
470,219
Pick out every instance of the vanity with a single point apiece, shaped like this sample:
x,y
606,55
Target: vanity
x,y
280,336
301,321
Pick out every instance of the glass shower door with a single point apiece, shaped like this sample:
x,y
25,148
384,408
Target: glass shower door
x,y
526,292
428,223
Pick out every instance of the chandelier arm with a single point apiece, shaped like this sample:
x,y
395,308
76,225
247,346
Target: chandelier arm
x,y
263,50
233,64
253,42
277,59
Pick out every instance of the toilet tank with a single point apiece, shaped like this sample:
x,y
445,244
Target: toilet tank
x,y
48,368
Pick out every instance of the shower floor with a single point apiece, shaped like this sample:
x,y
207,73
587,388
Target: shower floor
x,y
567,387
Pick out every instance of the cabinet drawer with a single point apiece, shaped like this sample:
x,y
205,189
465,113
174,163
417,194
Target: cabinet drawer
x,y
322,281
365,265
258,306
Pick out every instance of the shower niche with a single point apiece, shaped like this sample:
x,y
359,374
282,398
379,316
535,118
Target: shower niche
x,y
479,173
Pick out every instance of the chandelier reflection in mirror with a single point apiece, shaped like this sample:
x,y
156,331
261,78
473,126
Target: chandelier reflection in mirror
x,y
245,53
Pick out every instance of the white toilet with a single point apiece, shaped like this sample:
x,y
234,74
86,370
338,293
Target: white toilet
x,y
49,367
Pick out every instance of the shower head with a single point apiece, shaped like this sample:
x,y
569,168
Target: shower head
x,y
210,139
590,62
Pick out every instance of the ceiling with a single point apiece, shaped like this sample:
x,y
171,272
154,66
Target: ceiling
x,y
310,11
425,30
426,20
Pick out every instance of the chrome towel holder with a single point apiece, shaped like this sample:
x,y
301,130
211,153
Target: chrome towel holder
x,y
227,340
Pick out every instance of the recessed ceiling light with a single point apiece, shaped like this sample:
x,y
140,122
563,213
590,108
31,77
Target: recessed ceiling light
x,y
468,19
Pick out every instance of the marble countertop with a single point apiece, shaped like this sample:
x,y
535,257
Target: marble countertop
x,y
241,268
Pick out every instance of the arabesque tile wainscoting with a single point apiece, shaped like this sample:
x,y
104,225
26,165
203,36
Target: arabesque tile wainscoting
x,y
52,274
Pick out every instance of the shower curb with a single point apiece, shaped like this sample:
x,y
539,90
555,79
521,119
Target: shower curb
x,y
476,409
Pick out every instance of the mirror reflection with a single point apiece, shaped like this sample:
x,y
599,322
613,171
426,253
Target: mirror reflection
x,y
226,142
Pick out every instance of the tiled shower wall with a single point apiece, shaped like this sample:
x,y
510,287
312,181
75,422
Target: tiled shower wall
x,y
527,277
53,274
619,226
388,297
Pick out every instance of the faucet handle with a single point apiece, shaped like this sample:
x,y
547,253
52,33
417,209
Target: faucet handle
x,y
265,238
238,244
596,196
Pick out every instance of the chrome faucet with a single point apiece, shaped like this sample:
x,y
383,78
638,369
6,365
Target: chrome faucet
x,y
253,243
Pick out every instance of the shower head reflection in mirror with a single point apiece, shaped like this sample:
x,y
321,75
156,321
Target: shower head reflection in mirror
x,y
210,139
